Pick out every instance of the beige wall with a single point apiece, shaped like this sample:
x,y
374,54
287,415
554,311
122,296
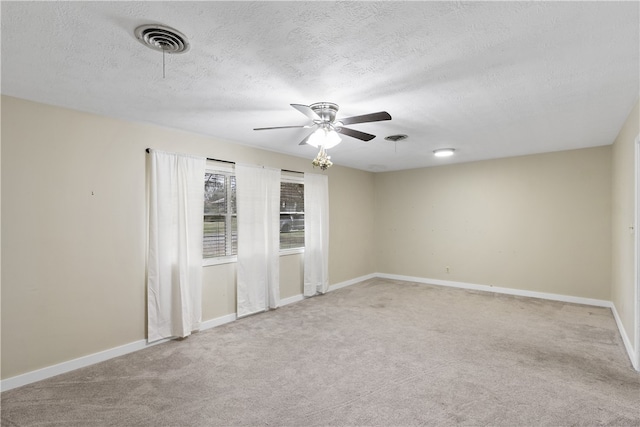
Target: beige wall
x,y
539,223
74,231
623,252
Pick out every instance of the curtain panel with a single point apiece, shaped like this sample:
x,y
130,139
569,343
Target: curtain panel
x,y
258,267
316,234
174,282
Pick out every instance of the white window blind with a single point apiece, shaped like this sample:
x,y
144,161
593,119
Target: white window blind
x,y
220,217
220,241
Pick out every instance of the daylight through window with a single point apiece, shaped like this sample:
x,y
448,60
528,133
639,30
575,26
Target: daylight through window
x,y
291,215
220,241
220,217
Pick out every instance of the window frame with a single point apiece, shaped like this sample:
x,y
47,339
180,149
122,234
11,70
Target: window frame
x,y
295,178
230,170
226,259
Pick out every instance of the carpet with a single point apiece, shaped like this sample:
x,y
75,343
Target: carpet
x,y
378,353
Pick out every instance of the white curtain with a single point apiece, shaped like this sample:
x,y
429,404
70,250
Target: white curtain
x,y
258,204
176,206
316,234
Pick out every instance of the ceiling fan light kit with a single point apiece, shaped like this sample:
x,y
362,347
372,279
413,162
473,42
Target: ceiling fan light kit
x,y
326,128
324,137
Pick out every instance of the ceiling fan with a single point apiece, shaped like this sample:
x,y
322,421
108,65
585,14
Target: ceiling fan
x,y
326,127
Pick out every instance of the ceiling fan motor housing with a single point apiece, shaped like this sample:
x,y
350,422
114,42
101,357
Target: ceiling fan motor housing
x,y
325,110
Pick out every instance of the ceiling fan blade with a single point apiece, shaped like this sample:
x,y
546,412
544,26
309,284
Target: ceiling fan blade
x,y
304,141
373,117
356,134
282,127
307,111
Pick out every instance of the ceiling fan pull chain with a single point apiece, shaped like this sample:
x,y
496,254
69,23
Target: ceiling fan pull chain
x,y
163,52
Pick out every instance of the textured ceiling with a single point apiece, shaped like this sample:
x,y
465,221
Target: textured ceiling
x,y
491,79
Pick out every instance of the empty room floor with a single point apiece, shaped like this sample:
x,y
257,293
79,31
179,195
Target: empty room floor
x,y
381,352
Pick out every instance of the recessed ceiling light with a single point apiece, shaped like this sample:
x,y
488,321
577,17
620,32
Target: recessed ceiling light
x,y
444,152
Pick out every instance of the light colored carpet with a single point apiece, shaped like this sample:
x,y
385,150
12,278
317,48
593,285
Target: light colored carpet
x,y
380,352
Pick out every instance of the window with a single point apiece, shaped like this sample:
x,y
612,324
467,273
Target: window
x,y
220,217
220,243
291,214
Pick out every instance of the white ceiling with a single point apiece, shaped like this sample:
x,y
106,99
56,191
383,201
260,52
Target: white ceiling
x,y
491,79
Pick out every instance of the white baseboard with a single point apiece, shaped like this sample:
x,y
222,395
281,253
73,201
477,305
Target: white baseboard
x,y
346,283
71,365
518,292
499,290
625,339
291,300
81,362
92,359
335,286
212,323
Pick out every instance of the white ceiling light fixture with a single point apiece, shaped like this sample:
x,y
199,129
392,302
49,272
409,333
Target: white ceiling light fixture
x,y
324,137
444,152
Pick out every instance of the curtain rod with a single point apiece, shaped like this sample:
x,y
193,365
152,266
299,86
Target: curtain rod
x,y
233,163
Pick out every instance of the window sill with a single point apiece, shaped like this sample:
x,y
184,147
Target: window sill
x,y
207,262
292,251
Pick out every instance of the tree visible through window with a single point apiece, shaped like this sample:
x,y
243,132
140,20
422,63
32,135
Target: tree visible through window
x,y
291,215
220,217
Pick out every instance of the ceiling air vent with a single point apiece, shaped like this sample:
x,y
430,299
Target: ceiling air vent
x,y
162,38
396,138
